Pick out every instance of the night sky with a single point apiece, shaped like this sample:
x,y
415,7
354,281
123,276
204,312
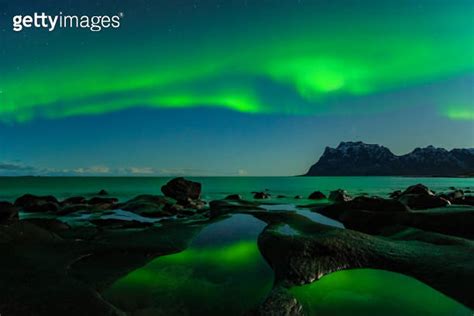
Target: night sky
x,y
231,87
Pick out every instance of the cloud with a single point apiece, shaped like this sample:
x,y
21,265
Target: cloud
x,y
92,170
16,168
242,172
21,169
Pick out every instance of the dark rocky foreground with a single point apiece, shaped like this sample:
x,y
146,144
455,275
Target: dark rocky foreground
x,y
50,267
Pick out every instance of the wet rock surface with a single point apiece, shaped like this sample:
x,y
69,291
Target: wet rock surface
x,y
320,250
56,267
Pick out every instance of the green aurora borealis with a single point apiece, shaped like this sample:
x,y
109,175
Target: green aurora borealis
x,y
316,56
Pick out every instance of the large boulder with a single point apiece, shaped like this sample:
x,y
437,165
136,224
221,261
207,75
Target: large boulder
x,y
339,195
418,189
317,195
8,212
29,199
423,201
181,189
37,204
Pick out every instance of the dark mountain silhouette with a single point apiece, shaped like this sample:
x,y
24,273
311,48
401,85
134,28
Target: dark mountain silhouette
x,y
360,159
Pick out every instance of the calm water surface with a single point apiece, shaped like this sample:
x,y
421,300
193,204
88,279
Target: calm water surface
x,y
218,187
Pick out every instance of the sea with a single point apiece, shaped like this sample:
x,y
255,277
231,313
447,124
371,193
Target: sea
x,y
219,187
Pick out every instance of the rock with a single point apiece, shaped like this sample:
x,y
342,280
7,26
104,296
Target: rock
x,y
181,189
24,231
423,201
280,302
74,200
41,207
261,195
466,200
320,250
449,221
339,195
150,206
8,212
196,205
49,224
101,200
458,194
317,195
298,197
32,203
69,209
395,194
103,192
418,189
374,204
233,197
28,199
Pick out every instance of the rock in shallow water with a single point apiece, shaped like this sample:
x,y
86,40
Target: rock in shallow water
x,y
233,197
339,195
317,195
37,204
261,195
181,189
419,189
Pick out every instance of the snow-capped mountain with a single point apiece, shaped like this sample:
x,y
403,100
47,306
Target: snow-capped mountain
x,y
358,159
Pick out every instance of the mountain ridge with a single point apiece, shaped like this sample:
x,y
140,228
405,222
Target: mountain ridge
x,y
361,159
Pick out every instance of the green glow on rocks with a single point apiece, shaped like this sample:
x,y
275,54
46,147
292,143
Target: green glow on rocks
x,y
228,279
221,273
374,292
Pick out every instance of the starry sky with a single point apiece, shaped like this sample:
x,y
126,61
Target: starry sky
x,y
224,88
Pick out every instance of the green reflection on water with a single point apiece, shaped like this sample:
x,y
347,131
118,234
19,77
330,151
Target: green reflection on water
x,y
227,276
374,292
